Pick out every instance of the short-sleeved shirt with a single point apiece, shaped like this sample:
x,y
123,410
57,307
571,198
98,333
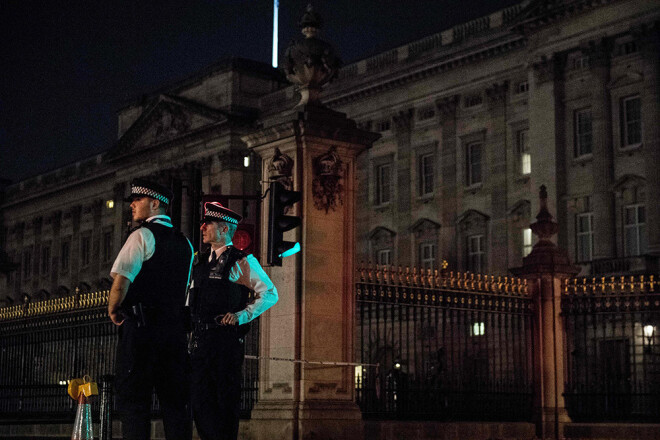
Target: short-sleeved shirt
x,y
139,247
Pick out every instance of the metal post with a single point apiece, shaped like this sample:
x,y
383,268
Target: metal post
x,y
106,407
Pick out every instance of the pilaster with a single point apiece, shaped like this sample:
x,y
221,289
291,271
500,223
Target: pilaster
x,y
447,112
603,155
314,318
650,46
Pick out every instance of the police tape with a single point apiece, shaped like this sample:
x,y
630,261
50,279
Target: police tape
x,y
305,361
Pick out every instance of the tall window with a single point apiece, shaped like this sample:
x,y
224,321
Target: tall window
x,y
584,236
107,246
27,263
476,253
45,259
65,255
426,174
631,121
527,241
634,230
473,163
384,257
85,250
427,255
524,155
583,133
383,182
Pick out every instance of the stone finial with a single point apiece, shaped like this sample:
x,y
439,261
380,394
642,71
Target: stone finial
x,y
544,227
311,62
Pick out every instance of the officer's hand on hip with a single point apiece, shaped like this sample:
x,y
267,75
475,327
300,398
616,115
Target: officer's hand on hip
x,y
228,319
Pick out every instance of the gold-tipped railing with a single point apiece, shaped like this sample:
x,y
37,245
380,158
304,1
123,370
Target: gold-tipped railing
x,y
441,279
78,301
621,285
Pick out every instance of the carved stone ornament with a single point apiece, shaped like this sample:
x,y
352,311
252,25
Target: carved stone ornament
x,y
311,62
280,168
170,123
326,186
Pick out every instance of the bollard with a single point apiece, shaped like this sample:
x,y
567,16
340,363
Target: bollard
x,y
106,407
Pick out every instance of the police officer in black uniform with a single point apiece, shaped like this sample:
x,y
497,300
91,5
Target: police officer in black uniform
x,y
147,300
222,280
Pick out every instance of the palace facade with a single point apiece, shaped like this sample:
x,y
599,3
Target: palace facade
x,y
473,120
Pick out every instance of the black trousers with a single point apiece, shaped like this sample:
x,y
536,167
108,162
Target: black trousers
x,y
148,358
216,384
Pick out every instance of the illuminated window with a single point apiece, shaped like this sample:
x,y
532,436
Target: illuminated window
x,y
585,236
478,329
110,204
358,376
524,155
583,132
527,241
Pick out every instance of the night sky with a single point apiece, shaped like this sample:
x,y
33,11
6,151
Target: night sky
x,y
66,67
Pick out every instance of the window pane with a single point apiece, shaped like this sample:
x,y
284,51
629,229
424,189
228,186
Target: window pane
x,y
474,163
631,242
632,121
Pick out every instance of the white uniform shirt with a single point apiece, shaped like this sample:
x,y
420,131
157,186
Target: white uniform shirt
x,y
249,273
139,247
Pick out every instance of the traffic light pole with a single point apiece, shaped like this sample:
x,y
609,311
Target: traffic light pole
x,y
314,153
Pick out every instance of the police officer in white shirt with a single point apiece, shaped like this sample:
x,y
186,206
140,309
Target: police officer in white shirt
x,y
220,313
147,299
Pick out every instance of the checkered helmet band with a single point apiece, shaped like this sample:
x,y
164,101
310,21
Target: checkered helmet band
x,y
141,190
222,217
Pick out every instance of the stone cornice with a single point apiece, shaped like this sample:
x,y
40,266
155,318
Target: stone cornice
x,y
542,13
405,73
49,191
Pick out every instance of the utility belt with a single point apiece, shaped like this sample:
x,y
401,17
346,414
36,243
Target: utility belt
x,y
151,316
201,329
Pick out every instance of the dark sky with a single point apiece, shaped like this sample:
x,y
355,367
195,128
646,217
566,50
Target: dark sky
x,y
66,67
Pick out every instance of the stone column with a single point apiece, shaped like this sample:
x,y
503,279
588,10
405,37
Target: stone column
x,y
314,318
546,133
403,122
447,109
603,156
650,42
545,269
498,176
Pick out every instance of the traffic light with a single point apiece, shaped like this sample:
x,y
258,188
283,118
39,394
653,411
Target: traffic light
x,y
278,223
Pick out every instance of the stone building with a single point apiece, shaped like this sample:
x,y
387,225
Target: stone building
x,y
473,120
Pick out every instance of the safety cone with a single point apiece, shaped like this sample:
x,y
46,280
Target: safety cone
x,y
82,427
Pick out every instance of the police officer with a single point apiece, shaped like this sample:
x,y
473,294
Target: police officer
x,y
147,300
220,309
